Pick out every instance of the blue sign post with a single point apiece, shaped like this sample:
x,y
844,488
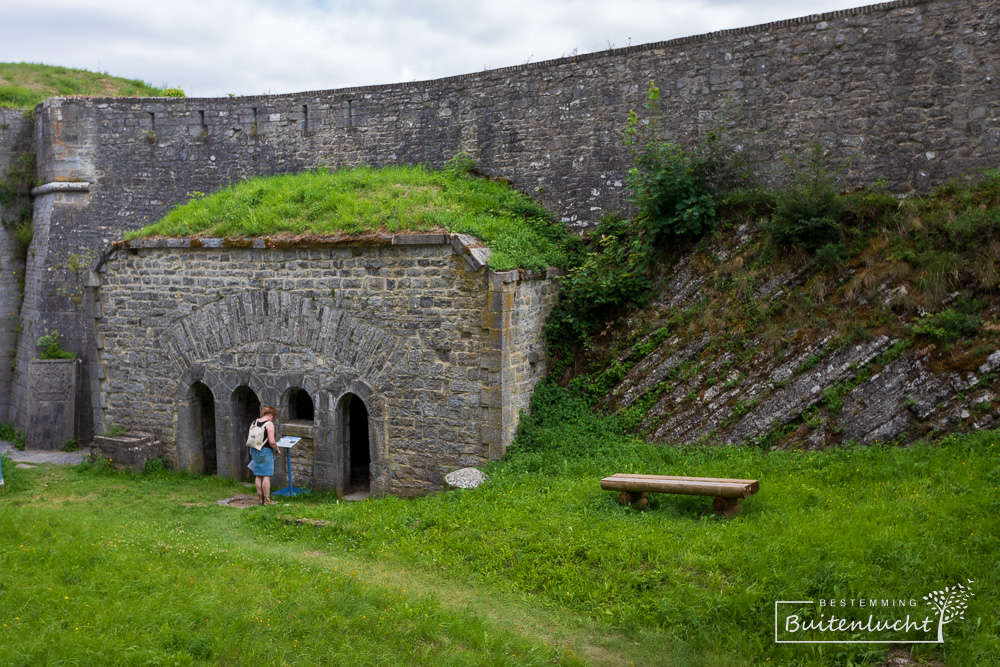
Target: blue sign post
x,y
288,442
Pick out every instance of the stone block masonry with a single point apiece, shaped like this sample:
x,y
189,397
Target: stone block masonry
x,y
14,140
395,359
906,90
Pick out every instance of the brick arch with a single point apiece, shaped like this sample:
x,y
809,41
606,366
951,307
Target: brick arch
x,y
243,319
321,346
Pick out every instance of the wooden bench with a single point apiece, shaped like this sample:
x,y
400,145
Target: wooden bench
x,y
728,494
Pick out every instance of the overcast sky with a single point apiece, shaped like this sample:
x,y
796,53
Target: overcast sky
x,y
212,48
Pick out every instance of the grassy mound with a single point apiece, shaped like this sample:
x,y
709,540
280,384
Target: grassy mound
x,y
24,85
363,200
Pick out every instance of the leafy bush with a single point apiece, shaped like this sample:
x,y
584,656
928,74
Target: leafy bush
x,y
947,326
808,212
12,435
667,184
609,278
157,465
669,190
51,348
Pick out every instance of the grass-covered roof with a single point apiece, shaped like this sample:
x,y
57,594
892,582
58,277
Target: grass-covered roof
x,y
363,200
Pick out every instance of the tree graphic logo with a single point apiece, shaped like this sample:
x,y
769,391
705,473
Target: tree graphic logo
x,y
950,604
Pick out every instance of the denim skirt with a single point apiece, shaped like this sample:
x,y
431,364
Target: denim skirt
x,y
263,461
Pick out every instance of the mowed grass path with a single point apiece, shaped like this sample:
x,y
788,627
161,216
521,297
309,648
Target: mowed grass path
x,y
537,566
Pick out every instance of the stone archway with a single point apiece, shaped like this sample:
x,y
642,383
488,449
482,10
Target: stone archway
x,y
356,452
251,357
245,407
201,404
355,444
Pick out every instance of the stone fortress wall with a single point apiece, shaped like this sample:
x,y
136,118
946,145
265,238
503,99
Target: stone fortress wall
x,y
14,139
908,89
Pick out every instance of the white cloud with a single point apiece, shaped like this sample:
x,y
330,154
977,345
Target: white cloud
x,y
249,47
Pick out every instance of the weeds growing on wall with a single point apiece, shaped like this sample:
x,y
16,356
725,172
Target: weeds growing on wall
x,y
16,210
51,348
676,193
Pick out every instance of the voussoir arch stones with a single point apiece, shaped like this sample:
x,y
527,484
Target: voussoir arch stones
x,y
240,322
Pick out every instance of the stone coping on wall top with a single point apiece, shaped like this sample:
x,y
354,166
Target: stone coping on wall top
x,y
626,50
475,253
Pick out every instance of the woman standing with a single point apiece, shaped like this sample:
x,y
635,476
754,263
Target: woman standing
x,y
263,457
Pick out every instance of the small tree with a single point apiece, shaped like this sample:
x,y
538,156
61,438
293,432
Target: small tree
x,y
51,348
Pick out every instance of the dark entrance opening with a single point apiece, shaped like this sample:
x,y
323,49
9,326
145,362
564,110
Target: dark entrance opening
x,y
358,454
300,405
246,408
203,417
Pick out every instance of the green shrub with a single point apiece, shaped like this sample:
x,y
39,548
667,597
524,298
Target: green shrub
x,y
609,278
51,348
947,326
808,212
12,435
669,190
156,465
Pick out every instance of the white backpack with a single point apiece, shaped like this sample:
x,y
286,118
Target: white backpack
x,y
258,434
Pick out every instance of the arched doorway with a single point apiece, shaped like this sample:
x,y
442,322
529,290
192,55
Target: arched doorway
x,y
246,408
357,444
201,404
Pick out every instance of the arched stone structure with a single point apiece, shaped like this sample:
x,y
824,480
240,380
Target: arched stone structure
x,y
223,342
441,353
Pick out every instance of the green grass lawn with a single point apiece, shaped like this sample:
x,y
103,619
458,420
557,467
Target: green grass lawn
x,y
538,565
362,200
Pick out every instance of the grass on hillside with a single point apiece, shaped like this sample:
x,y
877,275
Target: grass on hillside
x,y
537,565
362,200
25,85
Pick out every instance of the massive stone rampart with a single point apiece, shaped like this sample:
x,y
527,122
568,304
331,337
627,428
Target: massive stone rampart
x,y
907,89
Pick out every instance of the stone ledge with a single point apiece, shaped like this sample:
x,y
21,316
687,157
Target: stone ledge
x,y
56,187
129,451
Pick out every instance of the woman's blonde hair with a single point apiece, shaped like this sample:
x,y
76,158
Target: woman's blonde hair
x,y
268,411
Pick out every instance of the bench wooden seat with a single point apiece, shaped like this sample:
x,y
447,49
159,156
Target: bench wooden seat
x,y
728,494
